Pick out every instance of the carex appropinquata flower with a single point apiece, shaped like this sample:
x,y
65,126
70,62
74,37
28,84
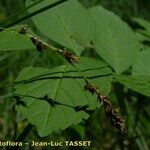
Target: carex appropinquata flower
x,y
112,113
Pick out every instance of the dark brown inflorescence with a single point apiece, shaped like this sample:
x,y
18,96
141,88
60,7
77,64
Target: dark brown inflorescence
x,y
91,88
116,120
23,30
40,45
71,58
112,113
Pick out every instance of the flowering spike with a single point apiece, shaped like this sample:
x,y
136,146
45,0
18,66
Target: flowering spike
x,y
40,46
91,88
112,113
23,30
72,59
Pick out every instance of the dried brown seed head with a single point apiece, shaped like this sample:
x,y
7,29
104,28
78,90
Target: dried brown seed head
x,y
34,40
40,45
72,59
112,113
91,88
23,30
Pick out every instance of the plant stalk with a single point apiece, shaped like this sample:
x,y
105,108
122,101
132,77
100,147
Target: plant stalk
x,y
35,13
22,136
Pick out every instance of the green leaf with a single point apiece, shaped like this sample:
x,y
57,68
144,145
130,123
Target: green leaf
x,y
141,65
64,24
141,37
113,39
49,119
11,40
145,24
64,85
139,84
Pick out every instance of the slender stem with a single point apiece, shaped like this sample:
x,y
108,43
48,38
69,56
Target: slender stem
x,y
18,13
22,136
25,132
81,73
35,13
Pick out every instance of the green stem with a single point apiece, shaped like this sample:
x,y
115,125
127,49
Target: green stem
x,y
22,136
18,13
84,77
25,132
35,13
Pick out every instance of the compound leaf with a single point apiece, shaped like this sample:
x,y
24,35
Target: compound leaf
x,y
64,24
11,40
63,85
113,39
139,84
141,65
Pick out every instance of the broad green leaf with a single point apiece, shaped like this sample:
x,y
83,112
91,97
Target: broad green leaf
x,y
141,37
113,39
64,85
139,84
49,119
67,24
141,65
11,40
145,24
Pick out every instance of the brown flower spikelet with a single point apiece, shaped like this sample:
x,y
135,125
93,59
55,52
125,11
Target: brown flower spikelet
x,y
23,30
112,113
40,46
116,120
91,88
72,59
